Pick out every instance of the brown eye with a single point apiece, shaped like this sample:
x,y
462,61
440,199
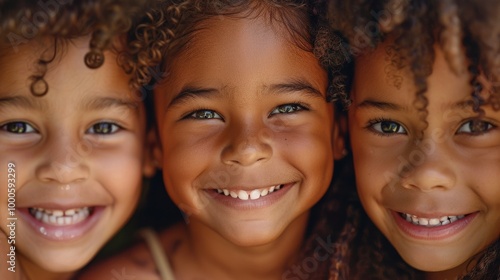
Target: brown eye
x,y
18,127
475,127
388,127
103,128
205,114
287,109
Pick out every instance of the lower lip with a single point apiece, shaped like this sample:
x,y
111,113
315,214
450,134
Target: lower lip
x,y
433,233
62,233
250,204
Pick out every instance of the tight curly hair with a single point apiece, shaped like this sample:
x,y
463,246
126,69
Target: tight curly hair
x,y
360,250
61,21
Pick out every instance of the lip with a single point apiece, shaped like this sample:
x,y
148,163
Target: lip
x,y
433,233
64,232
249,204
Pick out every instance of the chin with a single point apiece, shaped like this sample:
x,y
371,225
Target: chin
x,y
253,236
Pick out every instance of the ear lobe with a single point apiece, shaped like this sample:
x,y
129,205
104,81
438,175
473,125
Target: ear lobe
x,y
153,153
339,136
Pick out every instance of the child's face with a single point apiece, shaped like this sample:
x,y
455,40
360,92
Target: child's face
x,y
447,183
78,153
246,133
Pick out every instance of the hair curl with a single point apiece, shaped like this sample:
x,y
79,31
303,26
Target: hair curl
x,y
415,27
165,31
63,20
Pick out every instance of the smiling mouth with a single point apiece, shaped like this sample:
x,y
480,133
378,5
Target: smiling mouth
x,y
252,195
431,222
61,217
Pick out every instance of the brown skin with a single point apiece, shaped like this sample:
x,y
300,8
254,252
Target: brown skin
x,y
458,174
246,143
63,160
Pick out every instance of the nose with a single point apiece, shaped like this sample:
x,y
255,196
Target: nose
x,y
434,171
249,144
65,161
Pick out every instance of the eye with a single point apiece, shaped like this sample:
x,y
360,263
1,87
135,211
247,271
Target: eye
x,y
288,109
388,127
18,128
103,128
204,114
475,127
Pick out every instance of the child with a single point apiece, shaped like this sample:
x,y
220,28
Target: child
x,y
72,138
247,138
424,130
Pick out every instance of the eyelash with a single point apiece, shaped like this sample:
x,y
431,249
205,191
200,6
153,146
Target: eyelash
x,y
489,127
191,115
16,125
373,122
114,128
297,107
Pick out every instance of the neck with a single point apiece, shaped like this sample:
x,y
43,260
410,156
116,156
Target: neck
x,y
222,259
31,271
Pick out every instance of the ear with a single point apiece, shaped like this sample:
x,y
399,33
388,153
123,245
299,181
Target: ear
x,y
152,159
339,136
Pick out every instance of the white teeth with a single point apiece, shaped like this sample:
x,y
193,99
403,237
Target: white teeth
x,y
60,217
58,213
255,194
245,195
264,192
432,222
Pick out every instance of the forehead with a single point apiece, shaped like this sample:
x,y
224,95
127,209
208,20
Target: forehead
x,y
67,76
384,75
229,52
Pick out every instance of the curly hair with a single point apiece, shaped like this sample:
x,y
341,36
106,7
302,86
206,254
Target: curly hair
x,y
415,27
61,21
167,29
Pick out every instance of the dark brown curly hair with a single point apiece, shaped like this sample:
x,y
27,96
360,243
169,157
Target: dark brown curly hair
x,y
61,21
360,250
168,28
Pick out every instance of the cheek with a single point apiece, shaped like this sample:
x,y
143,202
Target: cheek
x,y
310,151
120,173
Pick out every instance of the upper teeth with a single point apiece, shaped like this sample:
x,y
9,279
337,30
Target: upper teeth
x,y
432,222
245,195
60,217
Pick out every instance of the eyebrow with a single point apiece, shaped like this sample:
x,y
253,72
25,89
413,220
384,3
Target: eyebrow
x,y
281,88
381,105
108,102
22,102
297,85
189,92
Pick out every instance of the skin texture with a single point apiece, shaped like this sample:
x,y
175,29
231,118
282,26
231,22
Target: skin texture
x,y
452,170
239,73
65,158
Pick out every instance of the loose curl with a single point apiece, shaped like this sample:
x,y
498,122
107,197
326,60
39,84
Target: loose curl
x,y
415,27
25,20
165,31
